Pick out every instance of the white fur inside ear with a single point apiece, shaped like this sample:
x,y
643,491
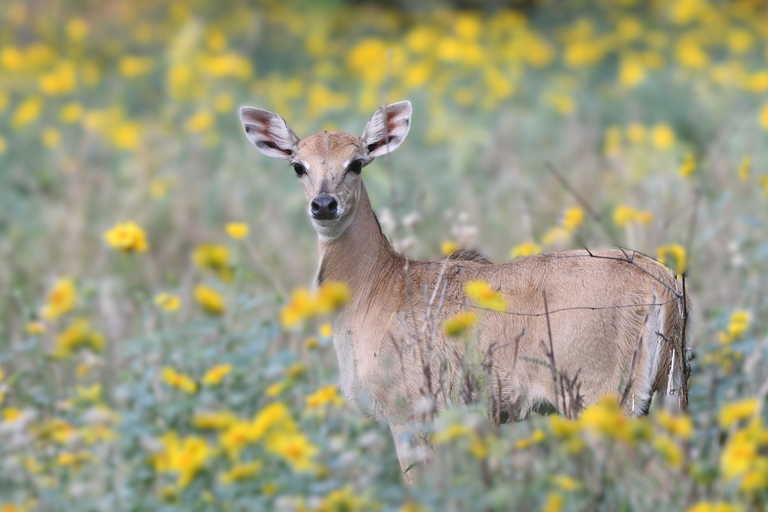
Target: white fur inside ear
x,y
268,132
387,128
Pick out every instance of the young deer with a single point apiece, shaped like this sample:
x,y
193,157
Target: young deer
x,y
614,320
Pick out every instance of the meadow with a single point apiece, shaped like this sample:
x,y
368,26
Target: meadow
x,y
161,344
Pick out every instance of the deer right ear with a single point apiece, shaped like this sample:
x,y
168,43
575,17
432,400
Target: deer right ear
x,y
268,132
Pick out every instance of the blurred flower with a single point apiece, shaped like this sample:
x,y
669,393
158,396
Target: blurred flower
x,y
185,457
3,144
555,235
294,448
50,137
168,302
662,136
131,66
688,165
744,167
35,328
61,80
214,376
486,297
553,503
612,142
667,253
178,380
210,300
215,258
89,394
324,396
572,218
237,230
127,237
566,483
213,420
460,323
681,426
763,116
669,451
240,471
295,370
77,29
737,411
636,133
326,331
524,249
605,417
311,342
737,326
712,506
200,121
449,247
451,432
29,110
631,72
61,299
79,334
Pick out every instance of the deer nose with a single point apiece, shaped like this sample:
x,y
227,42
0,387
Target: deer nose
x,y
324,207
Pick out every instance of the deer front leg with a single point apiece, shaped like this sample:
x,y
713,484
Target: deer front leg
x,y
413,452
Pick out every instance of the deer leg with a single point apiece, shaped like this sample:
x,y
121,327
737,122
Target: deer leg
x,y
412,452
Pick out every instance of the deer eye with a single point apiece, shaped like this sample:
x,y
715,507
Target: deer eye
x,y
300,170
355,167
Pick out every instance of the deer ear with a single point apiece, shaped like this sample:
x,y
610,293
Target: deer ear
x,y
268,132
387,128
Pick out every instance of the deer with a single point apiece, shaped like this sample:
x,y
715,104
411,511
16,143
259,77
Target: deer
x,y
615,319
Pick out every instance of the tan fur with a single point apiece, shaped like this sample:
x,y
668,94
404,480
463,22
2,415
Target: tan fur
x,y
392,327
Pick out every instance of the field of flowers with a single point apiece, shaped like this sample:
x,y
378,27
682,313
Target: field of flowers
x,y
161,347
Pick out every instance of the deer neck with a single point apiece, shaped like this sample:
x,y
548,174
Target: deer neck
x,y
361,257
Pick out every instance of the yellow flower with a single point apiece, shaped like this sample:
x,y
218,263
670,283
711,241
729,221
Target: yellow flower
x,y
295,370
131,66
662,136
311,342
27,112
178,380
688,165
451,432
486,297
89,394
185,457
61,299
79,334
61,80
681,426
299,309
213,420
744,167
555,235
763,117
631,72
214,258
200,121
737,411
51,138
738,324
331,297
3,144
35,328
711,506
71,112
667,448
75,460
739,455
572,218
210,300
605,417
127,237
168,302
240,472
77,29
237,230
276,388
676,252
553,503
566,483
223,103
459,324
214,376
11,414
126,135
324,396
449,247
524,249
636,133
326,331
294,448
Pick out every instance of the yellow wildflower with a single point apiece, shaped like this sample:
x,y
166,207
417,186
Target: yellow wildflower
x,y
688,165
744,167
185,457
449,247
711,506
326,331
127,237
75,460
240,471
572,218
11,414
737,411
77,29
662,136
451,432
214,376
486,297
631,72
524,249
636,133
294,448
311,342
237,230
459,324
168,302
178,380
739,455
667,253
553,503
669,451
324,396
566,483
555,235
50,137
331,296
210,300
79,334
71,112
681,426
89,394
200,121
61,299
605,417
28,111
61,80
215,258
295,370
213,420
277,388
132,66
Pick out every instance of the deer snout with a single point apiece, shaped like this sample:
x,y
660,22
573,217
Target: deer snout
x,y
324,207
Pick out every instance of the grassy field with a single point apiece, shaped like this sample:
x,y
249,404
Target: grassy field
x,y
149,255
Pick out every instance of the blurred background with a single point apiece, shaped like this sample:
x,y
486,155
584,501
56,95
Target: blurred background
x,y
147,249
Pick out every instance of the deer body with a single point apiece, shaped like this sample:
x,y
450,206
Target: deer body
x,y
609,318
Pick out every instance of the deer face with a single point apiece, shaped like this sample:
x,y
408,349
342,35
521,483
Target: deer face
x,y
329,164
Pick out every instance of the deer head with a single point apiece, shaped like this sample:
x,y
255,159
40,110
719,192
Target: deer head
x,y
329,164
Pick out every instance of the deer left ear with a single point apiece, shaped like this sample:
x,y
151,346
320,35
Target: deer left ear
x,y
387,128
